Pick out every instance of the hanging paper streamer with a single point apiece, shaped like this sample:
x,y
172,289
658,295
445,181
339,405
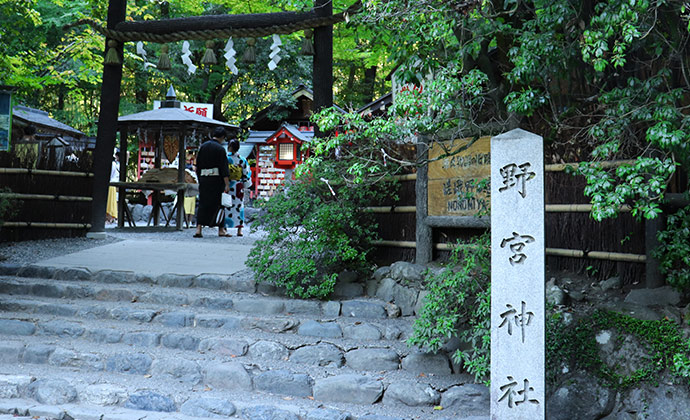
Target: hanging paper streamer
x,y
191,68
230,56
142,52
275,49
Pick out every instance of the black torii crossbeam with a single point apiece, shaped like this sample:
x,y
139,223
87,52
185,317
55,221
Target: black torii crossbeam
x,y
321,19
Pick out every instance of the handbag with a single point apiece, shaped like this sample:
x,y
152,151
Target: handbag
x,y
226,200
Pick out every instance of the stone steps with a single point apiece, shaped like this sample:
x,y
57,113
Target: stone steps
x,y
184,345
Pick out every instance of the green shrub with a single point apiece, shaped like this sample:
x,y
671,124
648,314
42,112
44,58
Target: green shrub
x,y
313,234
458,305
673,251
8,206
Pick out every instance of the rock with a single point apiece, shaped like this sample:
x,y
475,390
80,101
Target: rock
x,y
371,287
323,354
271,325
183,370
9,269
613,283
113,276
306,307
393,310
52,391
614,349
377,417
661,296
411,394
138,212
268,350
180,341
640,312
105,335
427,363
320,329
206,407
176,319
16,327
665,401
135,363
348,290
328,414
263,306
103,394
150,401
421,301
69,358
142,339
128,314
61,328
284,383
331,309
362,332
72,274
468,399
581,395
348,276
146,213
353,389
363,309
230,375
405,298
224,346
576,295
554,294
267,413
217,321
385,289
11,386
37,353
381,273
407,273
174,280
36,271
211,281
373,359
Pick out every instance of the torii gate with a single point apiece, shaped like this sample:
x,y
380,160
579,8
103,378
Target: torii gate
x,y
321,19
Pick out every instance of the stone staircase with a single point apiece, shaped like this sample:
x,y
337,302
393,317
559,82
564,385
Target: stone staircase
x,y
121,345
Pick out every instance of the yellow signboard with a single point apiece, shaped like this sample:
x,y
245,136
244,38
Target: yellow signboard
x,y
456,168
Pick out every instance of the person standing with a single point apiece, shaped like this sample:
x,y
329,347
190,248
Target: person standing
x,y
238,183
111,206
212,171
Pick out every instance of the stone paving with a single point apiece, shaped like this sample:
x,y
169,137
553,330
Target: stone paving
x,y
80,343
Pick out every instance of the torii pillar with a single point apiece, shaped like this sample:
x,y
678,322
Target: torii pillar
x,y
107,127
322,76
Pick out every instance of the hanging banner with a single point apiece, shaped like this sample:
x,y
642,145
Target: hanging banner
x,y
205,110
5,120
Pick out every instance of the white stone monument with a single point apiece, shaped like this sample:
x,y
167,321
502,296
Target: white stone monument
x,y
517,277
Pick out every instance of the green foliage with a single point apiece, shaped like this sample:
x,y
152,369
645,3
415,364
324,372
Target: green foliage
x,y
8,206
313,233
458,305
673,251
576,345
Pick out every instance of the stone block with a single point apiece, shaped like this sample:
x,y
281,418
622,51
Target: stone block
x,y
229,375
186,371
103,394
46,411
373,359
36,272
57,309
142,339
284,383
411,394
331,308
174,280
176,319
421,301
211,281
407,273
385,289
467,399
69,358
348,290
11,351
303,307
150,401
351,389
267,413
271,325
164,298
115,295
217,321
37,353
114,276
11,386
242,281
405,298
362,332
8,269
72,274
381,273
268,350
427,363
180,341
133,363
328,414
259,306
322,354
128,314
206,407
224,346
105,335
215,303
363,309
16,327
52,391
320,329
49,290
661,296
93,312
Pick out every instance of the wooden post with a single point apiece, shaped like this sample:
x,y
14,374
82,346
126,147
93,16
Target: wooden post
x,y
322,77
423,234
181,163
107,126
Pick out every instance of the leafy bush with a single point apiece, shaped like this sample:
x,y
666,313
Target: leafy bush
x,y
313,233
673,252
458,305
7,205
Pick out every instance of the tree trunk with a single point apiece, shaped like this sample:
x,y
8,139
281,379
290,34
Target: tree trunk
x,y
369,79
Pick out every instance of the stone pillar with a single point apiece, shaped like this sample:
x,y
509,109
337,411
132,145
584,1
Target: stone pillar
x,y
517,277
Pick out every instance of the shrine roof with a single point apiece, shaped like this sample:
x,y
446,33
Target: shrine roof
x,y
42,118
170,115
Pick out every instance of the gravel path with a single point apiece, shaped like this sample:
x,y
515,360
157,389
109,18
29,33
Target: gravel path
x,y
29,252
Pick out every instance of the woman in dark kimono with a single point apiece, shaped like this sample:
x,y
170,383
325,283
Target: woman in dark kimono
x,y
213,174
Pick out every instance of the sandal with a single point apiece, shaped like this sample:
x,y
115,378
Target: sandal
x,y
239,234
198,235
225,235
